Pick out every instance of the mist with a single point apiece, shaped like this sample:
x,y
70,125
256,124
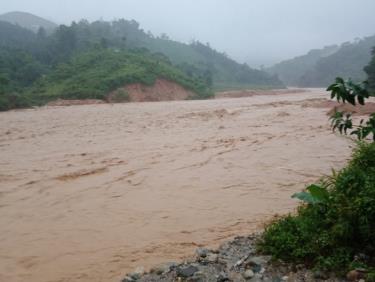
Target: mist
x,y
259,32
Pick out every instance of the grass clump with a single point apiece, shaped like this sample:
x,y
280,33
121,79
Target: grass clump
x,y
335,229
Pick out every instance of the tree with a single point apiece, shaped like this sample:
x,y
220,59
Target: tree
x,y
370,70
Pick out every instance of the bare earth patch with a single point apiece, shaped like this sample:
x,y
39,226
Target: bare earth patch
x,y
162,90
88,193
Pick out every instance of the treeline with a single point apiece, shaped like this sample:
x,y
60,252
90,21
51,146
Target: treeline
x,y
28,60
320,67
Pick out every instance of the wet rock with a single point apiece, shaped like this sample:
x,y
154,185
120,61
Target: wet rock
x,y
212,258
137,274
198,277
356,274
163,268
248,274
222,277
186,271
202,252
259,277
128,279
258,260
320,275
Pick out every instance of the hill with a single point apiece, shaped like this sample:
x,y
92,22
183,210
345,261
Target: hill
x,y
320,67
348,61
97,73
196,58
290,71
32,61
28,21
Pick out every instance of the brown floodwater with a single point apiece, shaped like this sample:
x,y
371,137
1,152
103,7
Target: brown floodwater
x,y
88,193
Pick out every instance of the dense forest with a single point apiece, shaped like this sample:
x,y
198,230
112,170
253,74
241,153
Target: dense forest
x,y
117,52
320,67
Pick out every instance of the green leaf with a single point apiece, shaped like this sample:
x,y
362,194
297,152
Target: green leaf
x,y
318,193
305,197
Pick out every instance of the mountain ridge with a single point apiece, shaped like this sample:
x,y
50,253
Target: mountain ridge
x,y
29,21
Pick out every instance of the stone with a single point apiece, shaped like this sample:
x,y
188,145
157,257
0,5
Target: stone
x,y
127,279
256,261
248,274
163,268
356,275
285,278
137,273
320,275
202,252
212,258
198,276
352,275
258,278
222,277
186,271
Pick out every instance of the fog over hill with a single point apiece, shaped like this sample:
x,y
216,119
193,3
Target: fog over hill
x,y
260,32
28,21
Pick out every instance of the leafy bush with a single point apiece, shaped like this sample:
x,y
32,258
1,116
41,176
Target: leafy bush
x,y
349,92
335,228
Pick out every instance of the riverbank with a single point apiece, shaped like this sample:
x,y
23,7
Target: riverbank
x,y
234,261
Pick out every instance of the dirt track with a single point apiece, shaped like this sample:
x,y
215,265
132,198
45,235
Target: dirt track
x,y
87,193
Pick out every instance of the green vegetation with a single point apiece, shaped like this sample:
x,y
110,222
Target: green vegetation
x,y
89,60
96,73
347,91
335,229
291,71
320,67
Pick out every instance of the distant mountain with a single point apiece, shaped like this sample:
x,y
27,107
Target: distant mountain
x,y
319,68
290,71
29,21
348,62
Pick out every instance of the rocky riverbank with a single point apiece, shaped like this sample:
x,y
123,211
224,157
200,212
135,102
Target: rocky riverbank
x,y
236,261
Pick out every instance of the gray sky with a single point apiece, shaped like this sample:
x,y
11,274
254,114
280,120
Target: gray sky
x,y
256,31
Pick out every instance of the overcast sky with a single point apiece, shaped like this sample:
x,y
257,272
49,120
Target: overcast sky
x,y
256,31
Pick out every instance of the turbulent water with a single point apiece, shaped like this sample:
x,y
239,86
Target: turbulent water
x,y
87,193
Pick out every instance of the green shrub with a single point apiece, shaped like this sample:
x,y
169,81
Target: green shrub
x,y
330,233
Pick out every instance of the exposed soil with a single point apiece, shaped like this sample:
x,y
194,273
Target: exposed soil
x,y
88,193
162,90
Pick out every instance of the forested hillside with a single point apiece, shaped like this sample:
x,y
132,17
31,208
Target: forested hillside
x,y
370,70
320,67
121,51
290,71
95,73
